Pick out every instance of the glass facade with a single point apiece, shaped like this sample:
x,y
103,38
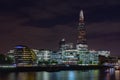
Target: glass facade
x,y
24,55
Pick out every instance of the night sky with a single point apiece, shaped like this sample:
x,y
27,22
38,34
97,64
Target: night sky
x,y
41,24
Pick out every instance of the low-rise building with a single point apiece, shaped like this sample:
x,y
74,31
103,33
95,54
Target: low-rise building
x,y
70,56
43,56
104,53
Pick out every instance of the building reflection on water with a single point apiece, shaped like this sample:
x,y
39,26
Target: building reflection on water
x,y
63,75
117,75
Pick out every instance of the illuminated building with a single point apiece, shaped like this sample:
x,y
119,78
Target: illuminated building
x,y
56,56
11,55
70,56
104,53
43,55
65,46
93,57
81,40
62,44
24,55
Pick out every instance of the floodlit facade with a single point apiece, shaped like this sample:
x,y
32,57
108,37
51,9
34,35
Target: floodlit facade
x,y
11,54
70,56
93,57
43,55
24,55
104,53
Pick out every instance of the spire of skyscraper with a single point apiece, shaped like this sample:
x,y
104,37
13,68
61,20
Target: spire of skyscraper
x,y
81,17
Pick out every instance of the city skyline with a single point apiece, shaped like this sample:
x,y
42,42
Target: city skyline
x,y
42,24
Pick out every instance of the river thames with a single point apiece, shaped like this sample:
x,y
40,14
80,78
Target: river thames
x,y
63,75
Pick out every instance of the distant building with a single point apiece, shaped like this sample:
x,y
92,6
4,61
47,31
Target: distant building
x,y
104,53
24,55
43,55
62,44
65,46
11,55
93,57
56,57
82,37
70,56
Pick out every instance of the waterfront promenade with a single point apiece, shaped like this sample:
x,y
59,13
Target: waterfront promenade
x,y
51,68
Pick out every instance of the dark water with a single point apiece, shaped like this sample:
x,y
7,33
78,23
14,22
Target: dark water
x,y
63,75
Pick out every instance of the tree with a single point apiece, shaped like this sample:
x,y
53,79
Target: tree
x,y
5,59
2,59
9,60
80,62
54,62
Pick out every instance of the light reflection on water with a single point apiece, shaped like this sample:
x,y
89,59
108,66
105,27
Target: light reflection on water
x,y
63,75
117,75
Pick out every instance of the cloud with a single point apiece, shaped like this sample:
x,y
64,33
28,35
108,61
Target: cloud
x,y
103,28
41,24
49,13
65,14
104,36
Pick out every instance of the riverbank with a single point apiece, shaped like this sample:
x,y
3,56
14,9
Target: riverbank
x,y
51,68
